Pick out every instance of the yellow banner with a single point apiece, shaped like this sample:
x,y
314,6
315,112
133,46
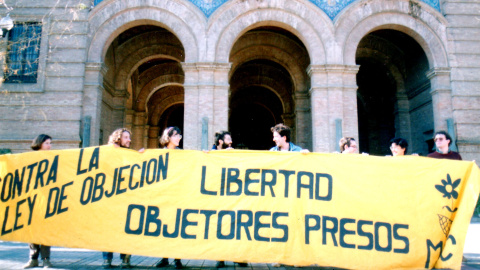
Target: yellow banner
x,y
349,211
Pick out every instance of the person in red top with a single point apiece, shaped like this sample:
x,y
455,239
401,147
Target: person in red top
x,y
442,142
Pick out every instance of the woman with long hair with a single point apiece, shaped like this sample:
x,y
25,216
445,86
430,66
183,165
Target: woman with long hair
x,y
42,142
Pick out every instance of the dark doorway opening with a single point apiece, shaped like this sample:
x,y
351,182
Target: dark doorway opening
x,y
254,111
173,116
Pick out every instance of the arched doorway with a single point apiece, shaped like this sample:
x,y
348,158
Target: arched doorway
x,y
268,76
254,111
143,84
393,93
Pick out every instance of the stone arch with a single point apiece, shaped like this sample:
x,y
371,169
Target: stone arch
x,y
152,86
234,19
111,18
269,47
427,27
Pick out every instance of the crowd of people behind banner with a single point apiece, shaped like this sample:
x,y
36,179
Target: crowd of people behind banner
x,y
170,139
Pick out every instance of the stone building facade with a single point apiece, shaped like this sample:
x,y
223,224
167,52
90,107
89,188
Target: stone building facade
x,y
371,69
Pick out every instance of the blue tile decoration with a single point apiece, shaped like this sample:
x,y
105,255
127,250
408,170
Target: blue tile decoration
x,y
331,7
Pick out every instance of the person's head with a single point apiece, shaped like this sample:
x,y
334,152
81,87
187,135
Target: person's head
x,y
120,137
281,134
223,139
442,140
42,142
348,145
398,146
171,137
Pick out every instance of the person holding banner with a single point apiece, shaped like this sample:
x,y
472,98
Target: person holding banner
x,y
170,140
442,142
348,145
281,137
42,142
398,146
223,141
119,138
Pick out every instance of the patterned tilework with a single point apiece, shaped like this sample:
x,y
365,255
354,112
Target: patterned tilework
x,y
330,7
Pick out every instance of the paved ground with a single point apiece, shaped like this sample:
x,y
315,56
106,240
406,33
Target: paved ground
x,y
15,255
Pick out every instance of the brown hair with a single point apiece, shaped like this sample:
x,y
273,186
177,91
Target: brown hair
x,y
282,130
345,141
115,137
39,140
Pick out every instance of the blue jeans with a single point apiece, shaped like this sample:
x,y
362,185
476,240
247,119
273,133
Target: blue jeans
x,y
109,256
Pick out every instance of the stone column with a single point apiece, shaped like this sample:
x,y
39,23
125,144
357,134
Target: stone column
x,y
138,130
92,98
319,100
303,120
206,95
153,134
350,110
441,96
333,96
402,117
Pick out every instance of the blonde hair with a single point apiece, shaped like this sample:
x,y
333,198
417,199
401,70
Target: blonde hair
x,y
345,141
115,137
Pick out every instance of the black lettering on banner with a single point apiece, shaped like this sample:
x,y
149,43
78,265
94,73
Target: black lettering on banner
x,y
30,174
396,236
177,226
114,184
93,164
308,186
162,167
231,233
154,173
309,228
232,177
98,190
42,169
18,214
282,227
132,171
249,181
59,198
52,176
222,182
333,230
186,223
270,183
259,225
207,214
203,190
387,226
318,178
88,181
18,183
7,179
438,246
344,232
128,228
120,179
152,217
287,175
245,224
369,235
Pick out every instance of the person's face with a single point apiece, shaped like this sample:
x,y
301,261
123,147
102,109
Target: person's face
x,y
227,141
441,141
46,145
352,148
279,140
125,140
175,139
397,150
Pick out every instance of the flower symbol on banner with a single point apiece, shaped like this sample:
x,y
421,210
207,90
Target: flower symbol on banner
x,y
447,188
448,191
